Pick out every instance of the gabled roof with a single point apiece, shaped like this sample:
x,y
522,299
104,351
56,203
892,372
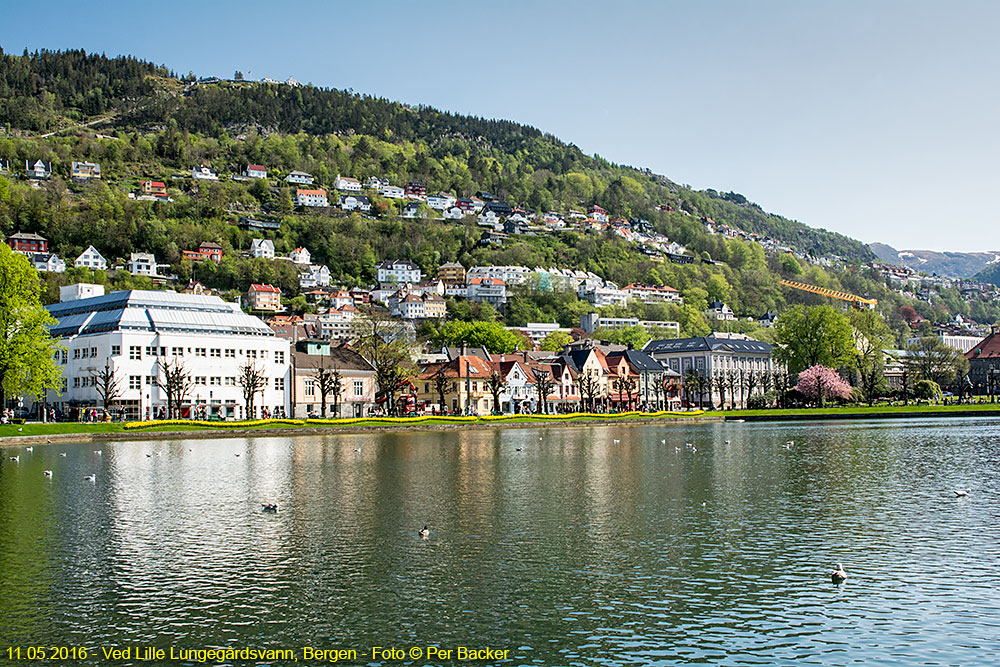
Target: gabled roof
x,y
988,348
265,288
256,167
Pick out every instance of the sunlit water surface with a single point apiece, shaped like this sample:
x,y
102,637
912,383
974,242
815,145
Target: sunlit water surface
x,y
559,543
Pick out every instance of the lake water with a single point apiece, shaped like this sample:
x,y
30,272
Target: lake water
x,y
557,544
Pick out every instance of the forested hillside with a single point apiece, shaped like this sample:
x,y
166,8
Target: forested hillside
x,y
152,125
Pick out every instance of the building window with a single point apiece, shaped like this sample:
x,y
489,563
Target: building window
x,y
150,380
76,383
199,352
134,352
310,387
251,354
135,382
215,381
279,357
230,381
177,351
116,350
65,356
359,388
93,352
76,354
216,352
230,354
200,380
279,384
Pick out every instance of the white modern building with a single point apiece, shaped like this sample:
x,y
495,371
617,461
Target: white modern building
x,y
91,259
143,264
510,275
347,184
300,256
139,333
49,262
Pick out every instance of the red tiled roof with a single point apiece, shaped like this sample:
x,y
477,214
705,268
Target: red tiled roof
x,y
486,281
256,167
264,288
318,193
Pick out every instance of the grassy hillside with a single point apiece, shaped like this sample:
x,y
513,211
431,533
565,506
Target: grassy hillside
x,y
151,124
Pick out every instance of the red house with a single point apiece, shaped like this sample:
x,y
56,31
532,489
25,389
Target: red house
x,y
28,244
414,190
207,250
155,188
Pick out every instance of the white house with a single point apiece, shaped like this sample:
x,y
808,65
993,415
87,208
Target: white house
x,y
489,290
510,275
398,271
201,173
315,276
454,213
347,184
39,170
392,192
441,201
300,177
310,198
719,311
142,264
48,262
137,334
376,183
91,259
412,210
489,218
355,203
255,171
300,256
262,248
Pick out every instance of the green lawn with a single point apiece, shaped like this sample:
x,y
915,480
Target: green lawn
x,y
9,430
862,409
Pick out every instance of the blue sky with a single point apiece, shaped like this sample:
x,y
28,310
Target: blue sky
x,y
874,119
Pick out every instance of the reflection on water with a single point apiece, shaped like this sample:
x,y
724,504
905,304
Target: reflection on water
x,y
556,543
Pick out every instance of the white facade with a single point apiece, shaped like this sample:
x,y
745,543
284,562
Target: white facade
x,y
50,263
300,177
392,192
262,248
203,174
255,171
510,275
136,333
399,271
347,184
142,264
441,201
91,259
310,198
300,256
489,290
355,203
316,276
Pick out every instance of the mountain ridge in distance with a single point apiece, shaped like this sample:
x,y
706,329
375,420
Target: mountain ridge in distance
x,y
950,264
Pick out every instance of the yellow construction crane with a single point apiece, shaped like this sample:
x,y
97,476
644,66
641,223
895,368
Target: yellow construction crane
x,y
858,301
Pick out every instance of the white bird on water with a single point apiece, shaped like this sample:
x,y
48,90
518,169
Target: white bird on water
x,y
15,459
47,473
839,574
62,454
959,493
29,449
90,478
616,441
98,452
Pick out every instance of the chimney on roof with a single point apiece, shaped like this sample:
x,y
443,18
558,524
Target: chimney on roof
x,y
524,353
464,349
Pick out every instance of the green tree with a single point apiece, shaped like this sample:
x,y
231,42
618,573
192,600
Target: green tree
x,y
28,363
813,335
871,337
930,359
555,341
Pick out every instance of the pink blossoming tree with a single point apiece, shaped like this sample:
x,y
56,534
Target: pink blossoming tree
x,y
819,382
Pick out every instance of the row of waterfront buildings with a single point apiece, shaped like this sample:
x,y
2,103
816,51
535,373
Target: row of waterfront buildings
x,y
134,336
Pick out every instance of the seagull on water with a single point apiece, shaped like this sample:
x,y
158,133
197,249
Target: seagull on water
x,y
47,473
90,478
616,441
424,532
62,454
839,574
98,452
959,493
29,449
15,459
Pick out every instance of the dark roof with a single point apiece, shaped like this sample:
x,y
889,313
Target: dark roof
x,y
455,352
340,358
706,343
